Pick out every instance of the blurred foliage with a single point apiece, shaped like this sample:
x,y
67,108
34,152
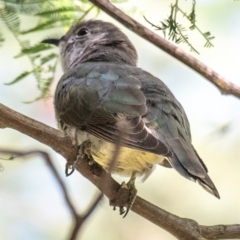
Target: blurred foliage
x,y
54,15
177,32
1,39
59,15
9,158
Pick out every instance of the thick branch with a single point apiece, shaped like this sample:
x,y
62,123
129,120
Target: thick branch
x,y
180,227
41,132
222,84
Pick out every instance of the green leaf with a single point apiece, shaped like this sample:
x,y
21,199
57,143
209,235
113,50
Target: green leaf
x,y
24,6
208,44
10,158
48,58
19,78
192,27
206,34
35,49
25,44
56,12
1,39
10,18
41,27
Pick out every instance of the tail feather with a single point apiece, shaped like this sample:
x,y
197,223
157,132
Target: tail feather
x,y
187,157
187,162
208,185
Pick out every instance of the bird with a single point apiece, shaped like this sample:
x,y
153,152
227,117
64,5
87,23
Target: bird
x,y
104,97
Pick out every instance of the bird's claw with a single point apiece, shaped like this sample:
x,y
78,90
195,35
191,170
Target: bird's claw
x,y
125,198
69,169
83,150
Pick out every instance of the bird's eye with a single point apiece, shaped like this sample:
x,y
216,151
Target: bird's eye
x,y
82,32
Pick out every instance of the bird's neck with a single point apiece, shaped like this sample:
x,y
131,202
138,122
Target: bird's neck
x,y
103,54
110,55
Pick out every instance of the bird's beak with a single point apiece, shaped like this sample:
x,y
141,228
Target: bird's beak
x,y
54,41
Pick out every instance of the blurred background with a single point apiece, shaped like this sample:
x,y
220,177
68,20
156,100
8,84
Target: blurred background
x,y
31,203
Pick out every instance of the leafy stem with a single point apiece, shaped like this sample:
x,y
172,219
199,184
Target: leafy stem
x,y
176,30
13,26
206,35
51,15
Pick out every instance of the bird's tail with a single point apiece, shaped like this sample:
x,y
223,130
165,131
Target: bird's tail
x,y
208,185
188,163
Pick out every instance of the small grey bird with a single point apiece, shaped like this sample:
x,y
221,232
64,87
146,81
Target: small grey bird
x,y
103,95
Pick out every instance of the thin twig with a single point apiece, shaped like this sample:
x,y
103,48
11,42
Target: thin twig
x,y
79,219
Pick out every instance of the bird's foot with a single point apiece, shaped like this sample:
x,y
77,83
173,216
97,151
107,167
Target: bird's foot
x,y
86,148
125,197
83,150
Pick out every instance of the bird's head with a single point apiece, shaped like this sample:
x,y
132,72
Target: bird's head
x,y
93,41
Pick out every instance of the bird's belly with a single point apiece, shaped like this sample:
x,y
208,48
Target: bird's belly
x,y
128,160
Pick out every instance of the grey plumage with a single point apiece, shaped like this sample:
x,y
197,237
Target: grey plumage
x,y
102,90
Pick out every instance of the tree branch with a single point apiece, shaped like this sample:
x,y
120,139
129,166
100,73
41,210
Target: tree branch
x,y
182,228
222,84
39,131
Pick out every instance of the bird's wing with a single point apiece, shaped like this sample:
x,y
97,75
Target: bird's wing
x,y
106,100
167,118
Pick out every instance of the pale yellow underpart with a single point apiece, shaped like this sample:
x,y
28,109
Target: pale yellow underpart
x,y
128,161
